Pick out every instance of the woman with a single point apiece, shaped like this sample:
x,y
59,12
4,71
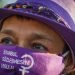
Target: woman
x,y
43,27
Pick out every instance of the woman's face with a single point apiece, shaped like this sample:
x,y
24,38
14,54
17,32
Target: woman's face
x,y
30,34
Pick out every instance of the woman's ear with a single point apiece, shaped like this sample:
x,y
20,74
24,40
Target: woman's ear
x,y
69,69
73,72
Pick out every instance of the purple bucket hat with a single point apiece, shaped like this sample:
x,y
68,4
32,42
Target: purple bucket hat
x,y
47,12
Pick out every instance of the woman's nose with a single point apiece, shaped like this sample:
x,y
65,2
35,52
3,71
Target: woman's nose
x,y
23,44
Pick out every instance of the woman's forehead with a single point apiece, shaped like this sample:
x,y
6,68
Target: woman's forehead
x,y
26,25
25,21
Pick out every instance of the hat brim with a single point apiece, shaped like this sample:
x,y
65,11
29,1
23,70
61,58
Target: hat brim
x,y
67,34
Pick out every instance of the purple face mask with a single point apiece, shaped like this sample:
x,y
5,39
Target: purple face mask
x,y
15,60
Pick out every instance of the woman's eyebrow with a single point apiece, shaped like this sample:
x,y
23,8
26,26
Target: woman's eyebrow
x,y
41,36
8,32
34,35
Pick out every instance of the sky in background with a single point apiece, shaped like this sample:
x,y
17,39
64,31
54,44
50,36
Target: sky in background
x,y
4,2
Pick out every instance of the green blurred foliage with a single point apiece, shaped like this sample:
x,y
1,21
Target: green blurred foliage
x,y
5,2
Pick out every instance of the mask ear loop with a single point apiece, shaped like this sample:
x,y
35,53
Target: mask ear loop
x,y
65,54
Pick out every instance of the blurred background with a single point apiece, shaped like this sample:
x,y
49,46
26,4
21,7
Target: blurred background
x,y
4,2
68,5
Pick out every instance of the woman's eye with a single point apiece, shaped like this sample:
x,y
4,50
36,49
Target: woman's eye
x,y
38,46
6,41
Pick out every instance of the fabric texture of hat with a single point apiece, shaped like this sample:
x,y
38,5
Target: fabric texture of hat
x,y
47,12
